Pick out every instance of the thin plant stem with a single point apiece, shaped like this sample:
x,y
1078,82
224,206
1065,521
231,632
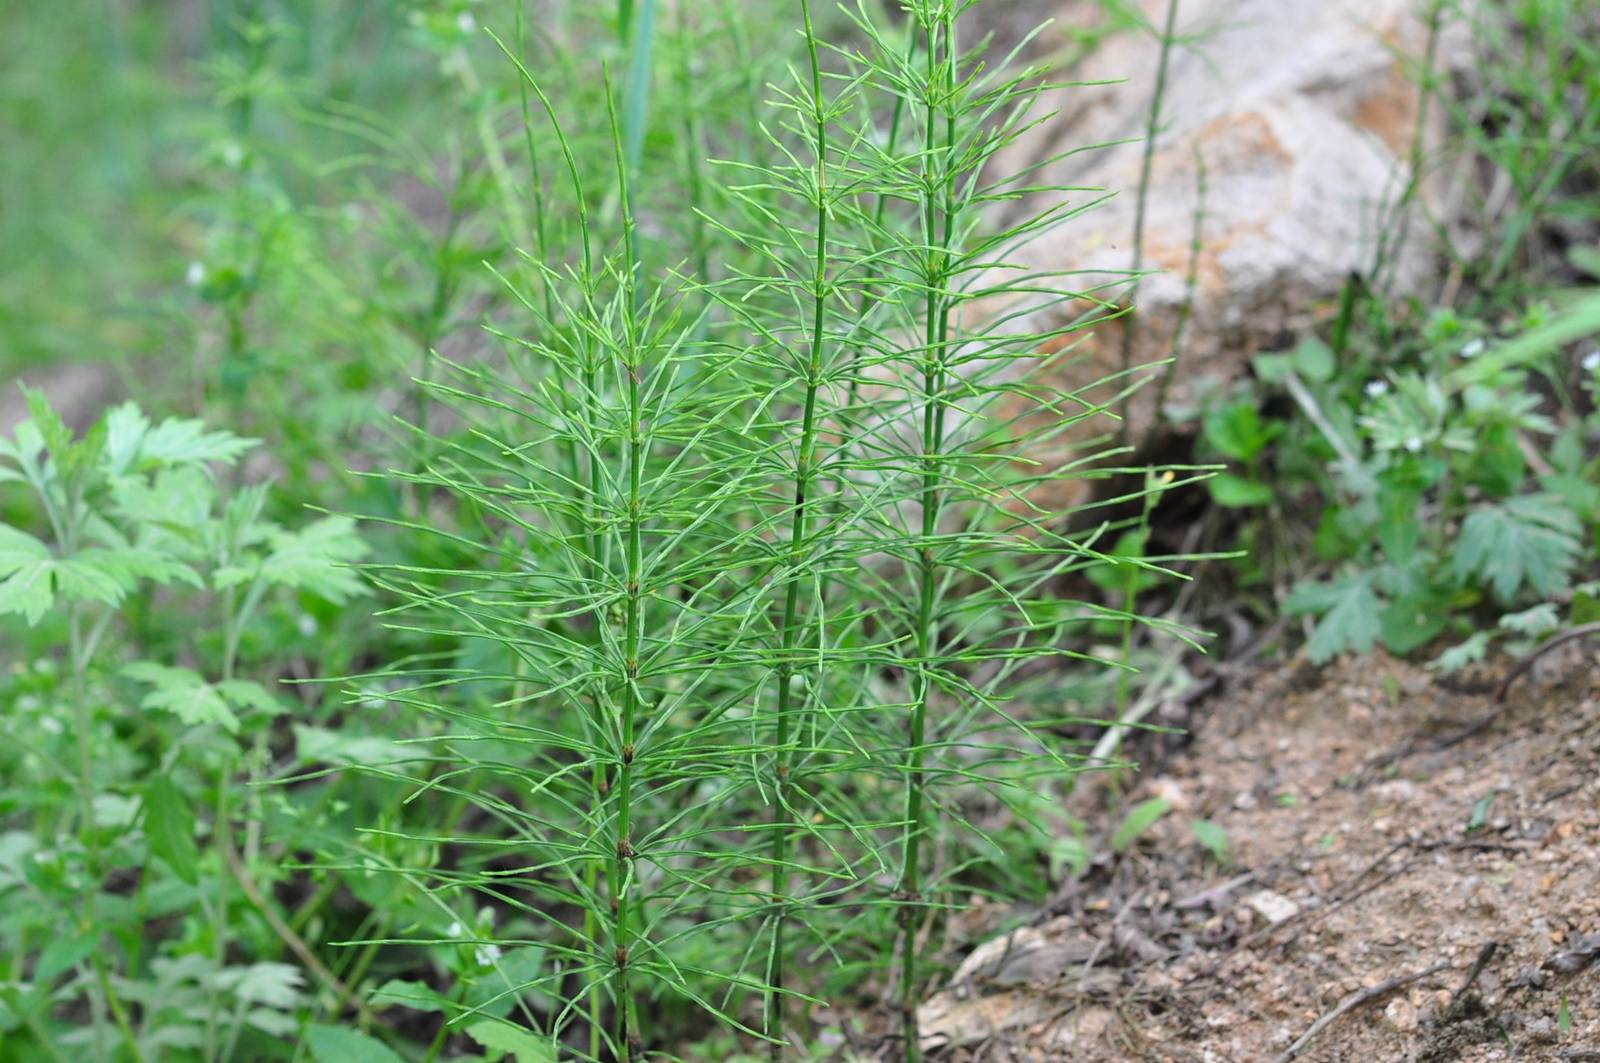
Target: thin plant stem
x,y
1130,323
783,812
692,151
937,207
591,880
1393,236
628,1035
68,526
1191,280
588,510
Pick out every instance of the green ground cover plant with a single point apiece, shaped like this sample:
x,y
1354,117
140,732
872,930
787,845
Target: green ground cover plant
x,y
1450,446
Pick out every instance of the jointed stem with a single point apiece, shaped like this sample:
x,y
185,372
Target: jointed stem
x,y
938,209
627,1031
783,813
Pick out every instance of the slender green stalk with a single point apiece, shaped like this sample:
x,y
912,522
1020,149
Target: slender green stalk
x,y
1191,280
783,811
1393,235
541,221
692,150
1130,323
938,192
68,524
592,868
430,324
628,1036
591,478
1130,590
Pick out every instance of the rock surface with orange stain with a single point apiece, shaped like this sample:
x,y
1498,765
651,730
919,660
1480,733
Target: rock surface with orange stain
x,y
1305,115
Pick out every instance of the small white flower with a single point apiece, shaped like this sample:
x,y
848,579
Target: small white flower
x,y
465,22
1472,349
232,155
195,275
453,930
27,703
1376,388
50,724
1591,361
1414,444
307,625
487,955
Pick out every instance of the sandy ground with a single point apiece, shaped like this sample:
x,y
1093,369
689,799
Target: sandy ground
x,y
1375,857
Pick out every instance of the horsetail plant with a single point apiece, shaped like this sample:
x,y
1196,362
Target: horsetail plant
x,y
769,575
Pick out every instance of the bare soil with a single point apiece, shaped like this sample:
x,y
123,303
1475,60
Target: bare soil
x,y
1379,850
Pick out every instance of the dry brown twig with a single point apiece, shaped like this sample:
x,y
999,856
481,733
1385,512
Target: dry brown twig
x,y
1353,1001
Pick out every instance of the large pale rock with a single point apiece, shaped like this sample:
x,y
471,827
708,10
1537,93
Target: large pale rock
x,y
1304,113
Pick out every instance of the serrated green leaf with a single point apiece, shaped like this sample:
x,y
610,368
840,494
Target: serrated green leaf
x,y
276,1023
314,559
1349,613
178,441
1458,657
1408,624
247,694
1579,493
1539,620
169,827
92,575
25,564
1139,819
18,548
336,1044
177,500
183,693
274,985
1529,541
501,1038
125,428
52,431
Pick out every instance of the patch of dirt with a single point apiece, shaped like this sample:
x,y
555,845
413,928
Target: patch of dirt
x,y
1425,891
